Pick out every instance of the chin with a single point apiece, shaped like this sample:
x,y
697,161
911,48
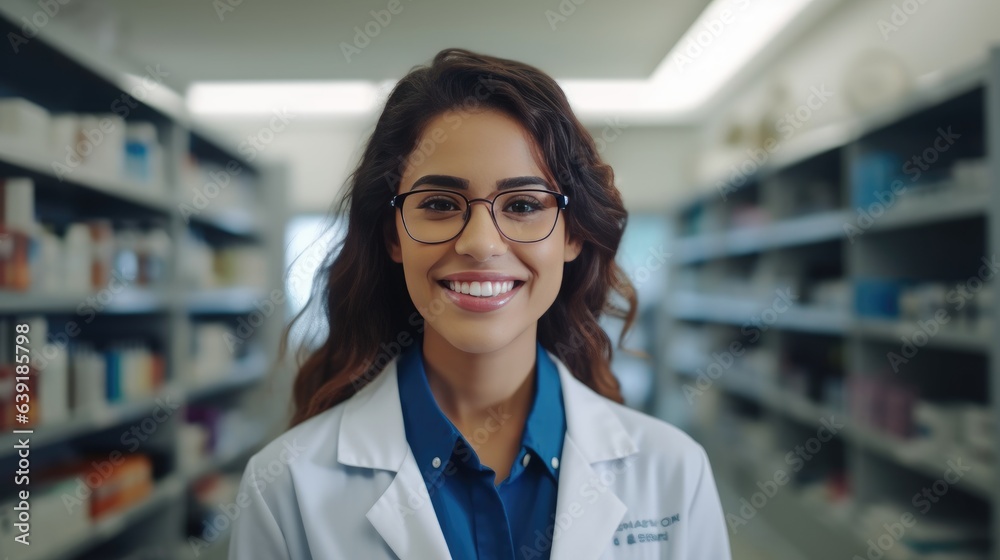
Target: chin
x,y
476,342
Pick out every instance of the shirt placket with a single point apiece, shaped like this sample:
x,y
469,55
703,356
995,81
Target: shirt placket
x,y
492,528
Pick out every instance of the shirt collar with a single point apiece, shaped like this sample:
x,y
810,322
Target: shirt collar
x,y
546,425
431,434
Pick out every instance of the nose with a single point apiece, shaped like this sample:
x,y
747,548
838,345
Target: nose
x,y
480,239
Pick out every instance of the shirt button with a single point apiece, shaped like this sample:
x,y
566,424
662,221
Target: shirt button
x,y
527,457
436,462
555,462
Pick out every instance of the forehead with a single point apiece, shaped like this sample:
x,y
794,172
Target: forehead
x,y
481,146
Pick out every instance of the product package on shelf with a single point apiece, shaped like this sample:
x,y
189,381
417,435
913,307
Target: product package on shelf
x,y
207,267
60,524
216,351
18,232
213,188
23,126
123,372
107,146
956,305
19,373
93,256
112,481
884,404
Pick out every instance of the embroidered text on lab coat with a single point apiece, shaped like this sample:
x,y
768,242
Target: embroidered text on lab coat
x,y
653,524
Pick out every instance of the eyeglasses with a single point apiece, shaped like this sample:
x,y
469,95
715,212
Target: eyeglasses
x,y
436,215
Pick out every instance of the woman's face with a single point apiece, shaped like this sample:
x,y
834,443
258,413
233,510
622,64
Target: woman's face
x,y
480,149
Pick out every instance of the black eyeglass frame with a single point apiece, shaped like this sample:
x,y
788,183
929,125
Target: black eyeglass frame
x,y
562,201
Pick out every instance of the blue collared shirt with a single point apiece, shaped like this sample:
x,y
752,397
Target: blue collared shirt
x,y
481,520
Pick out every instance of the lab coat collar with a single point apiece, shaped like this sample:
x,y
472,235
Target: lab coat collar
x,y
587,515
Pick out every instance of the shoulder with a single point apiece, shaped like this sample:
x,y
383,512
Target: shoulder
x,y
660,443
313,440
654,442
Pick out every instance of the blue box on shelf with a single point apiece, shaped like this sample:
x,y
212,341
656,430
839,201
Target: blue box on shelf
x,y
873,173
878,297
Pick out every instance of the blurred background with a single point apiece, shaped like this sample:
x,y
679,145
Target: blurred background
x,y
814,227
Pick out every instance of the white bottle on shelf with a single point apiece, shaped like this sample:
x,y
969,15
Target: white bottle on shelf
x,y
89,382
54,385
23,125
64,135
143,160
79,256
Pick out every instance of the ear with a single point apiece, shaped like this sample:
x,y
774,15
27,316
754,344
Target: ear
x,y
392,245
574,247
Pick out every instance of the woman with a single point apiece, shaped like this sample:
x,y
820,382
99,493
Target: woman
x,y
462,405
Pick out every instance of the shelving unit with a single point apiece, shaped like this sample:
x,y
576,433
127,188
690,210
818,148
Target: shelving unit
x,y
63,76
753,378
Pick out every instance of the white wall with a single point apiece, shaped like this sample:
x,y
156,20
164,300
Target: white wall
x,y
653,165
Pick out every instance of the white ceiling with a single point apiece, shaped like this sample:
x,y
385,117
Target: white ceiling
x,y
301,39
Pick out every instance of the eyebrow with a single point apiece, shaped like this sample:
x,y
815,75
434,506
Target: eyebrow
x,y
453,182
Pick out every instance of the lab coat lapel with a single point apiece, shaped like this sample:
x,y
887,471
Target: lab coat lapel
x,y
587,512
404,515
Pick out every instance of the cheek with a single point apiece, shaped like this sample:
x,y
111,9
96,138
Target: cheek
x,y
548,268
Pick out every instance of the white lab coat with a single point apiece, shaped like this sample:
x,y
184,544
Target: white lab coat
x,y
344,485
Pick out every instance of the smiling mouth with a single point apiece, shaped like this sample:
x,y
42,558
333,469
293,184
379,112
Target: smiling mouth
x,y
481,289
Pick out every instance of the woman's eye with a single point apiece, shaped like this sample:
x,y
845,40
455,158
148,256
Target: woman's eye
x,y
439,205
523,206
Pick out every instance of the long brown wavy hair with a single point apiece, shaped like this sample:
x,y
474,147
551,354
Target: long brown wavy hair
x,y
365,303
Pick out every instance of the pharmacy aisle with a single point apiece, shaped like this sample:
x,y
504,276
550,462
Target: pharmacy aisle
x,y
137,267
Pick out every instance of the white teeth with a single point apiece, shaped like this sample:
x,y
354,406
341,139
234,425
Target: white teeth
x,y
481,289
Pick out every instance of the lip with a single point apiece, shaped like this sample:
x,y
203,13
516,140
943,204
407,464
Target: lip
x,y
479,304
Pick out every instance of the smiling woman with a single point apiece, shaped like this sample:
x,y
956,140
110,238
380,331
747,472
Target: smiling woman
x,y
494,426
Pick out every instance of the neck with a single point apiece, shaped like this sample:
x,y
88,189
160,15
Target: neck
x,y
472,387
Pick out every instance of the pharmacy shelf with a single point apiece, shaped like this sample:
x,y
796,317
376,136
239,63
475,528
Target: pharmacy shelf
x,y
68,62
62,46
129,301
244,373
236,222
807,145
165,491
895,240
233,300
906,211
804,230
946,338
923,210
145,196
214,464
693,306
233,221
805,519
93,421
915,455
